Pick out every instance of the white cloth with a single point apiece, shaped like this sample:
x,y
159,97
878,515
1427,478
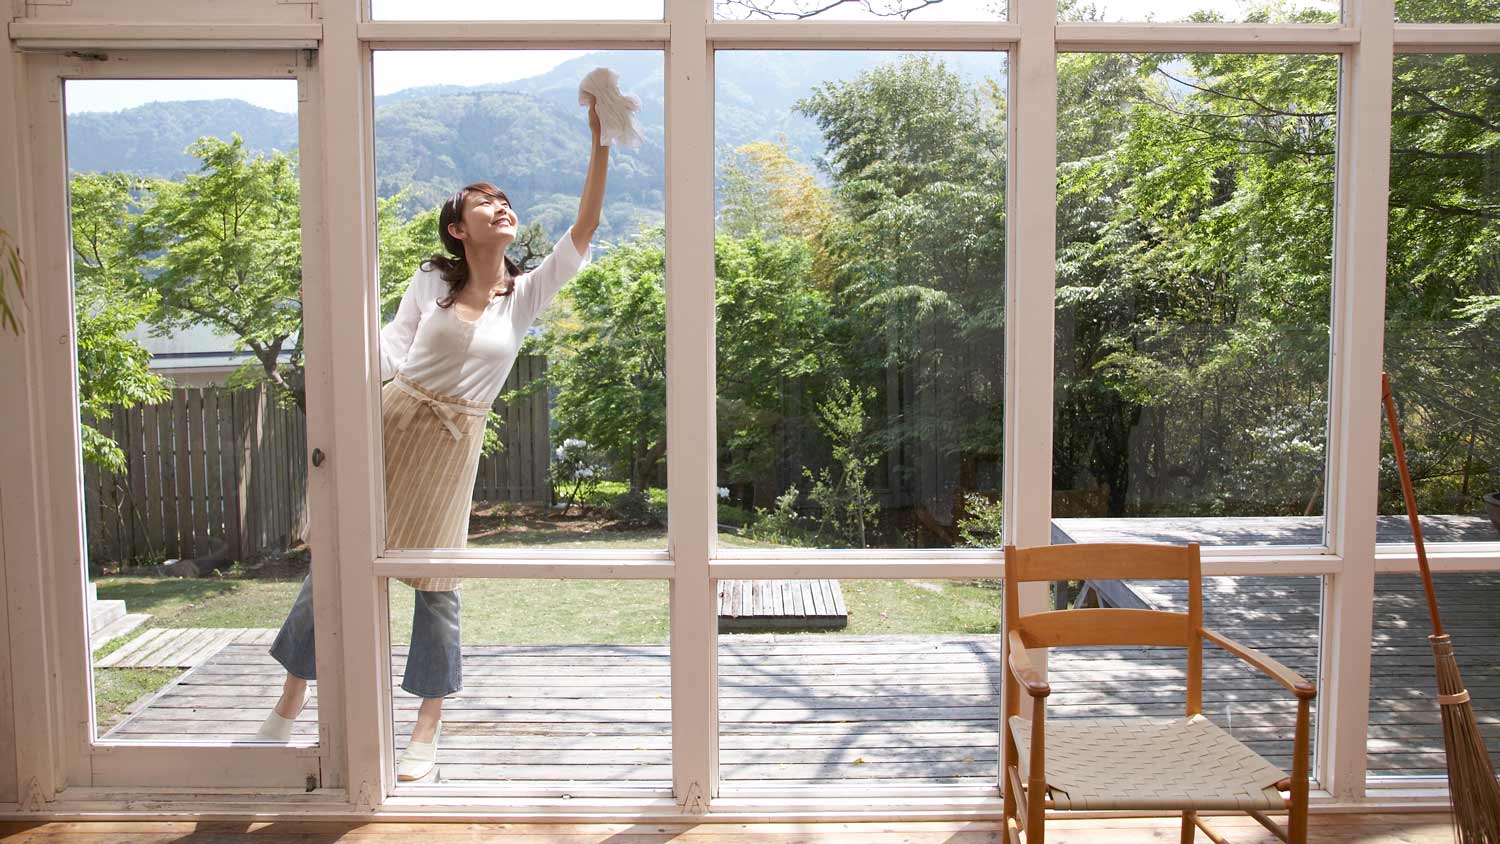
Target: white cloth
x,y
452,356
616,110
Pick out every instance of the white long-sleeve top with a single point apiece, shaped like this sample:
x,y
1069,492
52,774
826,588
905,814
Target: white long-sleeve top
x,y
453,356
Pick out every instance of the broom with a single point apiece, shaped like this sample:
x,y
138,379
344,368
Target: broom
x,y
1472,790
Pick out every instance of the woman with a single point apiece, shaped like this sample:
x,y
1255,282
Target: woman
x,y
445,357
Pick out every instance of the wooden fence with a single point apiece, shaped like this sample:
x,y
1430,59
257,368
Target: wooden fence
x,y
209,463
230,465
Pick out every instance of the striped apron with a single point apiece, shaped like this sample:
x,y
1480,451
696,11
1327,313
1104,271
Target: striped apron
x,y
432,445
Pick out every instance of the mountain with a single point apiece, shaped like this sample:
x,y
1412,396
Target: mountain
x,y
151,140
529,136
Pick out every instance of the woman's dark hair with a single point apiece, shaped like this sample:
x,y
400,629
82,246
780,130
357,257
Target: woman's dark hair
x,y
455,270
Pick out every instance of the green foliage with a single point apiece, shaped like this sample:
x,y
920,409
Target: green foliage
x,y
633,508
916,253
1194,269
846,505
781,525
605,345
227,243
113,370
983,526
1443,279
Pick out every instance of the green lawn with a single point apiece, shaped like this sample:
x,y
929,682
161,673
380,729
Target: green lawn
x,y
558,611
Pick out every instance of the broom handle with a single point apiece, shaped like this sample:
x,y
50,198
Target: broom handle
x,y
1411,501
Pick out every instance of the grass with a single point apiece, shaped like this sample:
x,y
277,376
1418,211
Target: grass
x,y
551,612
203,602
116,689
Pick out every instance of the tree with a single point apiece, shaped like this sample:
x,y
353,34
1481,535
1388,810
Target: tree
x,y
227,243
113,370
1195,232
917,258
606,357
605,341
1443,277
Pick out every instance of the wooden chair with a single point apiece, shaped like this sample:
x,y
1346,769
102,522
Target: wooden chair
x,y
1175,764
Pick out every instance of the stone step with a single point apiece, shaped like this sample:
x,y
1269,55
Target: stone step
x,y
104,613
119,627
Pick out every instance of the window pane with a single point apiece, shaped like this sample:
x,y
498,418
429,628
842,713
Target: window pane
x,y
1406,724
192,399
1447,11
563,684
1195,215
864,10
861,288
1278,616
874,682
489,10
1200,11
572,451
1442,306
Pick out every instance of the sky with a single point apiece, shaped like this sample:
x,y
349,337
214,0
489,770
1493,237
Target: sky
x,y
398,70
394,71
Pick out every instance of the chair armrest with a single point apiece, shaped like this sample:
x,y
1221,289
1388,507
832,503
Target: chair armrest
x,y
1288,678
1026,673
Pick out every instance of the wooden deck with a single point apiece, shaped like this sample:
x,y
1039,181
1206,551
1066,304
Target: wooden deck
x,y
766,605
1263,530
819,708
900,709
1325,829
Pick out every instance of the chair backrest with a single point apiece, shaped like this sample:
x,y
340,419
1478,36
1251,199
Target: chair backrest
x,y
1105,626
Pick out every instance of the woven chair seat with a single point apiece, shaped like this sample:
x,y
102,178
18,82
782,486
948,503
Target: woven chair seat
x,y
1150,763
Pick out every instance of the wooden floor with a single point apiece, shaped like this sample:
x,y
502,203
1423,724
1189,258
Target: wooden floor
x,y
1325,829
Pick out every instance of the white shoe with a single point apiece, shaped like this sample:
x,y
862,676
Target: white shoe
x,y
419,758
277,728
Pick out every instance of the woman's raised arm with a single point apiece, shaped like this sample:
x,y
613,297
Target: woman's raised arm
x,y
592,202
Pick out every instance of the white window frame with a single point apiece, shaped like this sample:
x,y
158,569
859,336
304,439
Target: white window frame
x,y
88,763
1366,40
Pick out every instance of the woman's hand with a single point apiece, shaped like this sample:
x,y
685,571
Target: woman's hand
x,y
594,124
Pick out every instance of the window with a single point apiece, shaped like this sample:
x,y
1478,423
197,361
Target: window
x,y
574,451
861,298
1447,11
566,685
1442,304
192,395
1195,213
1200,11
861,10
485,10
1406,728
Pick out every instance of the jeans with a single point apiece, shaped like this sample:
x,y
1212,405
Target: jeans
x,y
434,664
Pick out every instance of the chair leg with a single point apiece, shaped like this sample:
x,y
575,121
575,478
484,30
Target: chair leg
x,y
1009,811
1189,830
1296,821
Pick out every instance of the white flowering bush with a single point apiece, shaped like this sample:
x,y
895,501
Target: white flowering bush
x,y
574,472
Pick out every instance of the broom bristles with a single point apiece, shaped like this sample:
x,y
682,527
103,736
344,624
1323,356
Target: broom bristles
x,y
1473,792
